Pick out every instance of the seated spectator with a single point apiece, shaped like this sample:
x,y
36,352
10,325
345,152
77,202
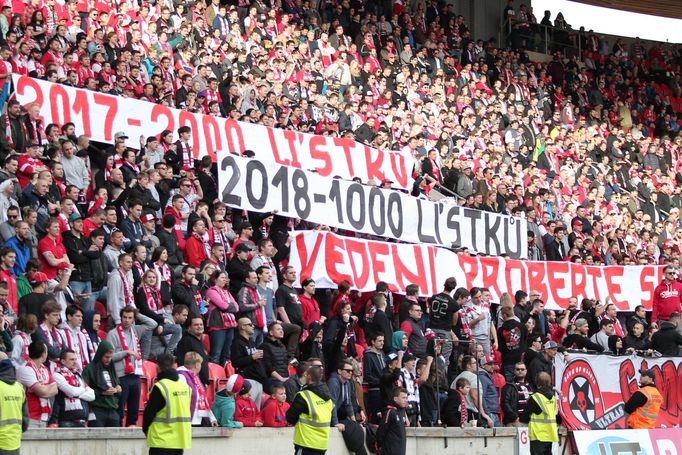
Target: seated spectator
x,y
340,385
636,338
148,301
246,410
274,409
224,404
185,291
202,416
605,331
101,376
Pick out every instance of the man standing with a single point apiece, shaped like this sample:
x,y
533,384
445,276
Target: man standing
x,y
542,415
512,339
167,420
20,243
412,327
605,331
73,391
128,363
667,296
542,362
81,253
78,339
289,310
515,396
39,383
275,357
444,316
489,399
477,316
311,413
13,409
645,404
193,341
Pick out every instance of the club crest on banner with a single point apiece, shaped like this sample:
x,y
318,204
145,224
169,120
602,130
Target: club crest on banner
x,y
581,400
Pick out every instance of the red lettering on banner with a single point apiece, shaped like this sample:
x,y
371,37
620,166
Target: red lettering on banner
x,y
374,166
557,278
398,165
648,285
578,281
111,103
82,106
628,384
25,82
610,273
595,274
403,274
275,148
490,269
183,120
59,98
666,442
318,152
163,111
346,144
378,264
432,266
536,276
308,263
295,141
211,131
469,266
511,266
669,385
232,128
333,255
354,250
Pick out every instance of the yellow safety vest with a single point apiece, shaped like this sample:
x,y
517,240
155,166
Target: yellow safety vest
x,y
312,429
542,427
172,426
11,405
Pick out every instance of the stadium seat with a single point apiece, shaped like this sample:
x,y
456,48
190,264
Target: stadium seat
x,y
216,381
147,381
264,399
207,342
229,369
292,370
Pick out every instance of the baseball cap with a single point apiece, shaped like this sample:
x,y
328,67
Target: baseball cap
x,y
242,247
120,135
550,345
75,216
649,373
187,168
392,356
32,144
487,360
39,277
148,217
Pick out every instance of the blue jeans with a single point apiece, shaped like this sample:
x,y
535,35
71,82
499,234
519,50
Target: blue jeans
x,y
83,287
221,342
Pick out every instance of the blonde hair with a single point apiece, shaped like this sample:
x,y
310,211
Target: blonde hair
x,y
193,359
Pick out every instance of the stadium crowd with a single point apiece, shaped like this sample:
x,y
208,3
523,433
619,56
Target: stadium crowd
x,y
102,236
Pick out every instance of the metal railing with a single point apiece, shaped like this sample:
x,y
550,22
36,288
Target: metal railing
x,y
540,38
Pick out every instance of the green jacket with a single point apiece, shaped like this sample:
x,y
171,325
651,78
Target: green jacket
x,y
95,374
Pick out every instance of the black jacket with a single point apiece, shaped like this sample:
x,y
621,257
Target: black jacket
x,y
142,305
184,293
382,324
242,361
190,343
391,433
510,402
275,357
667,340
145,196
237,271
80,256
576,341
99,267
373,366
170,242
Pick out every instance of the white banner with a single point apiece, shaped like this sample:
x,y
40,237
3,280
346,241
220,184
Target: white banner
x,y
99,116
330,259
251,185
629,442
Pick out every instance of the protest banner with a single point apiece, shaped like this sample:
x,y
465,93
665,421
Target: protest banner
x,y
99,116
329,259
252,185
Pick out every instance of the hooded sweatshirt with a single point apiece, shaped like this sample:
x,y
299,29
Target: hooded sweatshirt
x,y
224,408
667,298
100,377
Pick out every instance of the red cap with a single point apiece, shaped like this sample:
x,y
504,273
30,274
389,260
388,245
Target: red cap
x,y
39,277
148,217
647,168
543,171
187,168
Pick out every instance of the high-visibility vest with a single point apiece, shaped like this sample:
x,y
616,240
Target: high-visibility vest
x,y
542,427
11,405
172,425
645,416
312,429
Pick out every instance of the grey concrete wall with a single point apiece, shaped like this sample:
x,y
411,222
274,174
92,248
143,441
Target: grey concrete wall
x,y
259,441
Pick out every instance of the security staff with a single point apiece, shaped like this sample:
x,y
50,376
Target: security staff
x,y
311,412
13,409
542,416
645,404
167,418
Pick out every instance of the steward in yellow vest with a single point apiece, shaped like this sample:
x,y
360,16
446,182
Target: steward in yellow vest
x,y
645,404
311,413
541,413
167,418
13,409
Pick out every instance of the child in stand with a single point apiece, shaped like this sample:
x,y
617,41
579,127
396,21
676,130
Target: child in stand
x,y
224,403
275,408
246,410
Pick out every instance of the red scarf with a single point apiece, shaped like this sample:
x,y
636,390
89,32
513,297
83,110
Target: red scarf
x,y
127,291
153,298
52,336
261,319
164,273
463,414
26,340
44,377
129,367
83,339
